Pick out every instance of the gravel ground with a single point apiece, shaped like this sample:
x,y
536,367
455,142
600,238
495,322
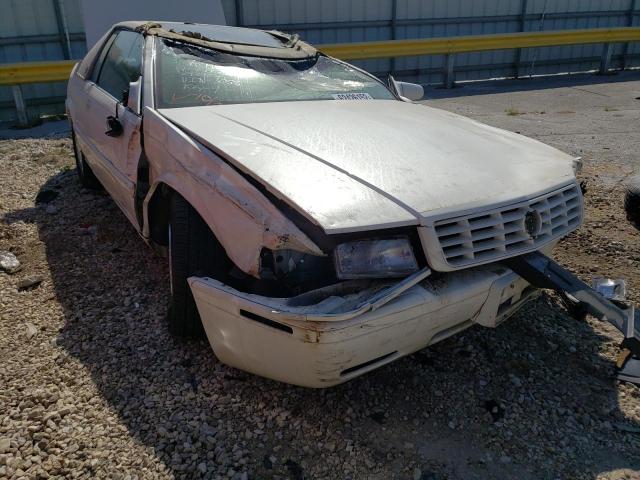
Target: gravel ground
x,y
92,385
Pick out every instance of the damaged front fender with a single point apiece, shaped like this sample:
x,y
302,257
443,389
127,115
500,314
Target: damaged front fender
x,y
242,218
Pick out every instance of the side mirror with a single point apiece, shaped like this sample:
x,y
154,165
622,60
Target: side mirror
x,y
410,91
134,97
406,91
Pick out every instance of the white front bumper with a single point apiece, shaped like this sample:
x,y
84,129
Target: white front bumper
x,y
298,345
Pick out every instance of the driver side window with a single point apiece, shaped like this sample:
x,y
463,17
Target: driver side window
x,y
122,63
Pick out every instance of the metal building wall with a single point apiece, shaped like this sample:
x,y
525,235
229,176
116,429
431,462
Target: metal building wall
x,y
331,21
30,30
33,30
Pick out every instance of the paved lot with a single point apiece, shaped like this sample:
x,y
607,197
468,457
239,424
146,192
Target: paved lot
x,y
596,117
93,386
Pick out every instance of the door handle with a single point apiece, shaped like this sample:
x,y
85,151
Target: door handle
x,y
114,127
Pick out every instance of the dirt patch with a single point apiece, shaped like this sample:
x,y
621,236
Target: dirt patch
x,y
93,385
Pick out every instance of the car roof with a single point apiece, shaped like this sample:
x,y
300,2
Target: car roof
x,y
217,33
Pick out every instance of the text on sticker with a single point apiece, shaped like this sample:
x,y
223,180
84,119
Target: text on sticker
x,y
352,96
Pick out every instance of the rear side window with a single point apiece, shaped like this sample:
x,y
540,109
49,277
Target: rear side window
x,y
122,63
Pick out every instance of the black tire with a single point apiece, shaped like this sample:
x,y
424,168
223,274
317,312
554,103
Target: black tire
x,y
193,250
85,174
632,201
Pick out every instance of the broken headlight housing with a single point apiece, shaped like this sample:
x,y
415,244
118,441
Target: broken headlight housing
x,y
576,164
378,258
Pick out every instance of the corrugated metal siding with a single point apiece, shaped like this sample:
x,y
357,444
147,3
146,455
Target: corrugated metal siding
x,y
331,21
592,14
335,21
29,32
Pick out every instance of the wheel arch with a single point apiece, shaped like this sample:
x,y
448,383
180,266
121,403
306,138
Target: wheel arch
x,y
156,210
156,213
240,215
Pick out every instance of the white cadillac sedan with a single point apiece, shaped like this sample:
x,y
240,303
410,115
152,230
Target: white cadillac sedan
x,y
318,223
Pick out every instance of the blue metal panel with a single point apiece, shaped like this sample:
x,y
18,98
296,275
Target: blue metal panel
x,y
337,21
36,18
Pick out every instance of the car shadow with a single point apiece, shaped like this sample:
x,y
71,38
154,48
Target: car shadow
x,y
484,404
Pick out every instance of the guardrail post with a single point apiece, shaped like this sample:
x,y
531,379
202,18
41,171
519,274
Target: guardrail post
x,y
630,15
521,21
394,32
21,108
449,63
605,60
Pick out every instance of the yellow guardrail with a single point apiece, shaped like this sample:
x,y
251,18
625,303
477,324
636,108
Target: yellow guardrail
x,y
35,72
476,43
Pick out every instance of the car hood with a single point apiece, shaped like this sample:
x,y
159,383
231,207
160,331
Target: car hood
x,y
352,165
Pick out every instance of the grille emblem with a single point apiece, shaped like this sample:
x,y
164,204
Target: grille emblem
x,y
533,223
515,229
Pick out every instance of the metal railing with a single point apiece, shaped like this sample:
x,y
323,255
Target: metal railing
x,y
449,46
35,72
477,43
39,72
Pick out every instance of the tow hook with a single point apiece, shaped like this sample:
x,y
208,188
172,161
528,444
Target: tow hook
x,y
606,303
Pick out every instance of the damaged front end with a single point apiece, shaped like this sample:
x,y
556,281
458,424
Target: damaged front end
x,y
332,334
331,261
290,272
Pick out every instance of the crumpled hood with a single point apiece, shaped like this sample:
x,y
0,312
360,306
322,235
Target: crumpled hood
x,y
354,165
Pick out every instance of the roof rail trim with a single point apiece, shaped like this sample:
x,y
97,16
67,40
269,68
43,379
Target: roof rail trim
x,y
294,48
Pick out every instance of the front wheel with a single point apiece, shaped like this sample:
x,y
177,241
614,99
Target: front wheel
x,y
193,251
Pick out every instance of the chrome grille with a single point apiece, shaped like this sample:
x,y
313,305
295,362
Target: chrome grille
x,y
483,237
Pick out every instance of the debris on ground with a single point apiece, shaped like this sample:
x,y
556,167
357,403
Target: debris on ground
x,y
31,330
29,283
9,262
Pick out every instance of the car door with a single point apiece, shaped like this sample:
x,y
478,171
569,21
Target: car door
x,y
113,153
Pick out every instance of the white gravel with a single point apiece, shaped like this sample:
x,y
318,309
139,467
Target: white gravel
x,y
92,385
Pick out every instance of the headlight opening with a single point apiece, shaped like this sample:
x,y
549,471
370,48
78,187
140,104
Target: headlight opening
x,y
375,258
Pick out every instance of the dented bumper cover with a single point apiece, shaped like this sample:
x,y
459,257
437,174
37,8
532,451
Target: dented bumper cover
x,y
327,341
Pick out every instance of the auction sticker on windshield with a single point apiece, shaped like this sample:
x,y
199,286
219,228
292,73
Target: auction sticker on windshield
x,y
352,96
